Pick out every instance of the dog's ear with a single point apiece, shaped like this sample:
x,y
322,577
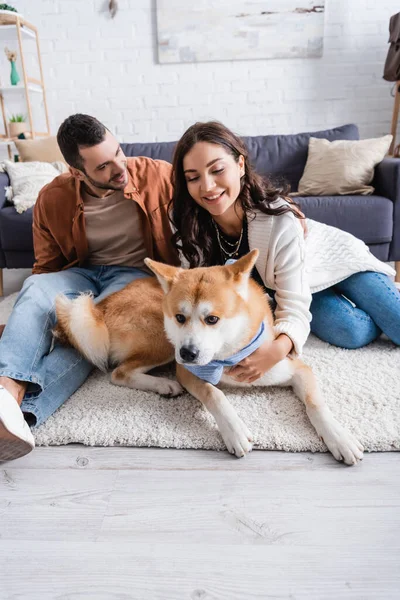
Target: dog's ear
x,y
244,264
241,270
164,273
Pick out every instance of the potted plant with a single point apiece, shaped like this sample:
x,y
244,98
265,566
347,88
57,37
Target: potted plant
x,y
8,7
8,14
17,125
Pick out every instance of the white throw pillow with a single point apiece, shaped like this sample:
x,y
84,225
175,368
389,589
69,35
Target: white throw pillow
x,y
341,167
27,179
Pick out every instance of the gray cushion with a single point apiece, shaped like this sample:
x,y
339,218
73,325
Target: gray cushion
x,y
285,156
370,218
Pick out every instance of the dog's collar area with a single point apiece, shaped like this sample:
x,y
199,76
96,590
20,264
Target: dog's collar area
x,y
212,372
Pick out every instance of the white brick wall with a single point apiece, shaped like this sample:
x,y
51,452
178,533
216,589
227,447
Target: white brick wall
x,y
108,68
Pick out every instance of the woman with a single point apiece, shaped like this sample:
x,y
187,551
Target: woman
x,y
221,209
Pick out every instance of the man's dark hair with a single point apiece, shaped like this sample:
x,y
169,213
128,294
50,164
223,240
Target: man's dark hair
x,y
79,131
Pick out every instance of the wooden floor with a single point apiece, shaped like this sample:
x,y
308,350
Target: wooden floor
x,y
137,523
81,523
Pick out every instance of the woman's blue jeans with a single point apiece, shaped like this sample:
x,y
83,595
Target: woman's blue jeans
x,y
377,310
26,352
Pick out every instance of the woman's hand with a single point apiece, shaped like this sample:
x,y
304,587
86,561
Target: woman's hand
x,y
261,360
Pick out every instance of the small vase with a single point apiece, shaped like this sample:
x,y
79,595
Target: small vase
x,y
14,77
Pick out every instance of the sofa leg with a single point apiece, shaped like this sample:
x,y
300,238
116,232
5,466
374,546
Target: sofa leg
x,y
397,267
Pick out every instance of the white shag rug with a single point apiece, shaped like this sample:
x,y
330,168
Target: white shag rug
x,y
362,387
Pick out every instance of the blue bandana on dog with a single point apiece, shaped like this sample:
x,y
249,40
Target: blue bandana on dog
x,y
212,372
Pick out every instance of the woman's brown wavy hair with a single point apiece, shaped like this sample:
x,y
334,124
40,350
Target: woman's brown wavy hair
x,y
195,234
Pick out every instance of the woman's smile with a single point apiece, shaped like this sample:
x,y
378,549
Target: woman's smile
x,y
211,199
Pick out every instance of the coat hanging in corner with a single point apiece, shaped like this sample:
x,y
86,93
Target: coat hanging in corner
x,y
391,71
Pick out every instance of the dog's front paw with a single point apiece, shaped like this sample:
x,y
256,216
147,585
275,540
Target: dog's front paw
x,y
237,437
168,387
343,445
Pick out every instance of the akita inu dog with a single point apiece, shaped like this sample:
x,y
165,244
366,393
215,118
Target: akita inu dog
x,y
201,317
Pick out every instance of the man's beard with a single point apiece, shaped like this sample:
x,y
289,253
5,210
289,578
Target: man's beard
x,y
105,186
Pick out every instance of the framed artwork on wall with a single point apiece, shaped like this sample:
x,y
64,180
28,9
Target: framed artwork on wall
x,y
239,29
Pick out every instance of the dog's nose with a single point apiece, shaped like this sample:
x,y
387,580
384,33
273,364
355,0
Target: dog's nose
x,y
189,353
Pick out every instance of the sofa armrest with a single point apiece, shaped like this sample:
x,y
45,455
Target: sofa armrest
x,y
387,183
4,181
387,179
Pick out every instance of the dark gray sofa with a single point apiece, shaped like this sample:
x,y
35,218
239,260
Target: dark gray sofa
x,y
374,219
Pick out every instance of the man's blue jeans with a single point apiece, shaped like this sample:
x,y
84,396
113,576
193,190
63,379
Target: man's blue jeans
x,y
377,309
26,352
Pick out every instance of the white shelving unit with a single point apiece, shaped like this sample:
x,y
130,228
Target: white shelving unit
x,y
15,27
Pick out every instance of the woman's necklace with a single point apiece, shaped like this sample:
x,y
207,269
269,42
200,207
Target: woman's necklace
x,y
234,247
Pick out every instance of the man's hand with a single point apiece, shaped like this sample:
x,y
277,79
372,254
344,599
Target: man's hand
x,y
303,223
302,216
302,220
261,360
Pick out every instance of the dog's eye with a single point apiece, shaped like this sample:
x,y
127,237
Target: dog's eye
x,y
211,320
180,318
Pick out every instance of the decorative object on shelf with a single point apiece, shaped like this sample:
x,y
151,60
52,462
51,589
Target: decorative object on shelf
x,y
8,8
17,125
14,77
8,14
12,57
113,7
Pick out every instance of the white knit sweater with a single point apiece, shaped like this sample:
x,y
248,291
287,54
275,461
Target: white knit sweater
x,y
295,267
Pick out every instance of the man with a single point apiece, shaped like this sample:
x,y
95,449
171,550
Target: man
x,y
92,228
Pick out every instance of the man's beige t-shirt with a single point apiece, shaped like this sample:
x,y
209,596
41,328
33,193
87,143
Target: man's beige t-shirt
x,y
113,230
